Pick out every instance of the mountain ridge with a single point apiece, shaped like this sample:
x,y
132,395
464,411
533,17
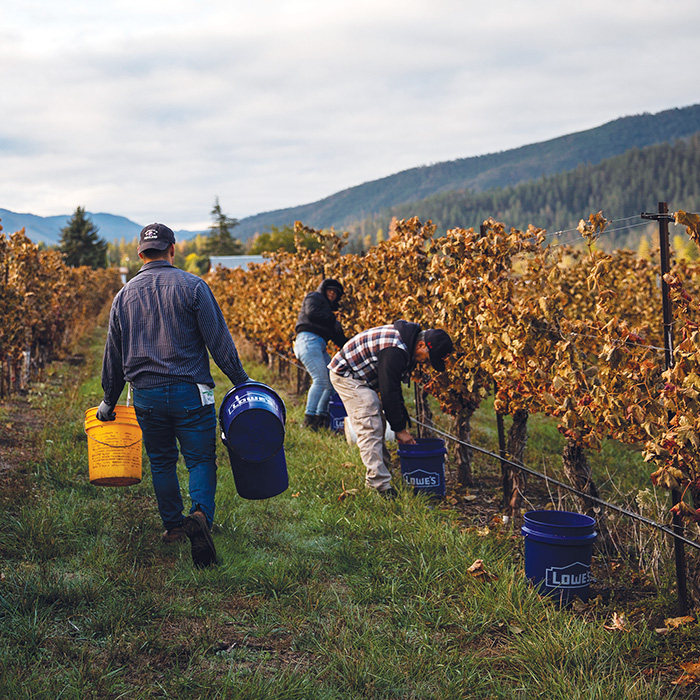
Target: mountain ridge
x,y
475,173
47,229
484,172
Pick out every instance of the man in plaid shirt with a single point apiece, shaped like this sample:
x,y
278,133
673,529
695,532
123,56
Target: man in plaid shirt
x,y
367,374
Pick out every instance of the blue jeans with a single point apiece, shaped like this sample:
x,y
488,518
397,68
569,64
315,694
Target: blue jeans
x,y
312,351
174,414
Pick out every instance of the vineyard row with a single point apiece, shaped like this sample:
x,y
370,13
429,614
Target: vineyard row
x,y
45,307
571,333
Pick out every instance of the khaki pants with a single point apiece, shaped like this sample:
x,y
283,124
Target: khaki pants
x,y
364,409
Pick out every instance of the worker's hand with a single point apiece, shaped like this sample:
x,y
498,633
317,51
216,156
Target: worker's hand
x,y
105,412
405,438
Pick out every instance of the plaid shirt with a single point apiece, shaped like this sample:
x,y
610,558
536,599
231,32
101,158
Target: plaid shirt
x,y
359,356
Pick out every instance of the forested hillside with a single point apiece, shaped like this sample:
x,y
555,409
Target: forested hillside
x,y
621,187
478,174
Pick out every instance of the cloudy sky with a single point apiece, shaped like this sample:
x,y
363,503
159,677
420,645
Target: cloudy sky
x,y
150,109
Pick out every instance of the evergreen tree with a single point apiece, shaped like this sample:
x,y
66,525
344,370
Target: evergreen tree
x,y
220,241
80,243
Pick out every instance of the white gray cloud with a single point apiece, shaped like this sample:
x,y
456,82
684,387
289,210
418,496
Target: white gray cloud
x,y
150,109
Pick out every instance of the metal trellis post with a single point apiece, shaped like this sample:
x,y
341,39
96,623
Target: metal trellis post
x,y
663,217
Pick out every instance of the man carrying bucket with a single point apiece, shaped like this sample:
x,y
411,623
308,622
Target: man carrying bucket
x,y
373,364
161,325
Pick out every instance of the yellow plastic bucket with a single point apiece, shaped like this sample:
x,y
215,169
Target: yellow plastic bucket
x,y
114,448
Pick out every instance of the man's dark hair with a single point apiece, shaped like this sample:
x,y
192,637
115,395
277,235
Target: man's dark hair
x,y
153,254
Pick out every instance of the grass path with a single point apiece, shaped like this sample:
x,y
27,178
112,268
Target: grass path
x,y
317,597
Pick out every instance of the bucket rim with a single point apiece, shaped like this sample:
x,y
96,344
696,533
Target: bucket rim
x,y
548,518
119,408
437,445
125,416
269,404
252,383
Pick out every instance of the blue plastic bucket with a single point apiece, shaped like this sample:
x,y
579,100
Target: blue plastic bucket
x,y
252,418
423,465
337,413
558,550
258,480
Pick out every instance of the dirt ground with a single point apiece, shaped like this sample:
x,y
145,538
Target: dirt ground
x,y
20,423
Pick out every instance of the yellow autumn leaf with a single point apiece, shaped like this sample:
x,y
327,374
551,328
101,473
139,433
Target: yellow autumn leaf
x,y
674,622
690,675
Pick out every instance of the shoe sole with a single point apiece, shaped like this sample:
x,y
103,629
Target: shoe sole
x,y
201,542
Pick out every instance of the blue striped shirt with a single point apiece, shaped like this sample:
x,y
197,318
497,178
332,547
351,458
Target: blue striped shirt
x,y
161,324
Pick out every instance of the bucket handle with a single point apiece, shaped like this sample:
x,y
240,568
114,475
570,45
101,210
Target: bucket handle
x,y
106,444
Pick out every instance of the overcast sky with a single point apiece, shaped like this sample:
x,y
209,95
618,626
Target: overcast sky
x,y
150,109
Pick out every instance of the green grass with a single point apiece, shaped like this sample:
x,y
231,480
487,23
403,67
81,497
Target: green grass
x,y
315,598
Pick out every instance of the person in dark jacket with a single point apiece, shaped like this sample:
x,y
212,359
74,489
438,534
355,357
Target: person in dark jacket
x,y
316,325
367,374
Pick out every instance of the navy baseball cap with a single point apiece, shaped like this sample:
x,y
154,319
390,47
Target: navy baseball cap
x,y
156,236
439,347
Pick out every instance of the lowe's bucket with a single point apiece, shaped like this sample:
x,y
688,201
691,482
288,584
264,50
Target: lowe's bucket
x,y
114,448
258,480
337,413
423,465
558,549
252,418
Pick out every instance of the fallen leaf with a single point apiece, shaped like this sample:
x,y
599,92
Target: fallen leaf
x,y
470,497
296,495
347,492
690,675
618,622
674,622
483,531
515,629
478,571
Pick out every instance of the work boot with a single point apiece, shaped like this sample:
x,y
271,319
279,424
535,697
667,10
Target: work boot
x,y
323,421
310,421
201,542
390,494
174,535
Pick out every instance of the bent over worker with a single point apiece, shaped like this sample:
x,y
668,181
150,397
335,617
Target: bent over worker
x,y
367,374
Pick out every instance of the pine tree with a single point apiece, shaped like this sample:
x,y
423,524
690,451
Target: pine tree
x,y
80,243
220,241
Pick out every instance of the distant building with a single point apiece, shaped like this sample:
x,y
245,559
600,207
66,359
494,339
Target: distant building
x,y
233,261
